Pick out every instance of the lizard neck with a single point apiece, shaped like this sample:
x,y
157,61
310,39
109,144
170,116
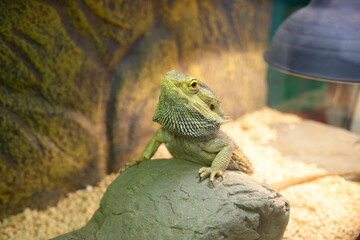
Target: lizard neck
x,y
204,137
180,118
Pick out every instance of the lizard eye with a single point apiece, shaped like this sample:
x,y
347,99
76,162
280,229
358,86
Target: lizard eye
x,y
194,85
212,107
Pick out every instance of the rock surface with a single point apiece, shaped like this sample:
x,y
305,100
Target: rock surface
x,y
163,199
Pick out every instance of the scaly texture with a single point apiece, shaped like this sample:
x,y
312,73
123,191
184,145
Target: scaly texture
x,y
190,115
181,113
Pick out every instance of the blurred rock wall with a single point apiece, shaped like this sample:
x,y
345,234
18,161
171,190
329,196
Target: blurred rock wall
x,y
79,81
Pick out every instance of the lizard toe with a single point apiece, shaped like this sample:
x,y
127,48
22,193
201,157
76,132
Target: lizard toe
x,y
135,162
211,173
204,175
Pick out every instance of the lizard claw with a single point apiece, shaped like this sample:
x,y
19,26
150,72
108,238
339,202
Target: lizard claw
x,y
211,173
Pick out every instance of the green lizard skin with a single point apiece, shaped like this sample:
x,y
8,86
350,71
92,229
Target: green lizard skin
x,y
190,116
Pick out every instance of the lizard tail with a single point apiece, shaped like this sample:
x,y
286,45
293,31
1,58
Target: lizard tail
x,y
239,161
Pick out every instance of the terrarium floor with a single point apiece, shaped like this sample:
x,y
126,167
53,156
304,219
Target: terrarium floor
x,y
281,146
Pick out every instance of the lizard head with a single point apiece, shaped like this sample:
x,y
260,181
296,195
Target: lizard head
x,y
187,106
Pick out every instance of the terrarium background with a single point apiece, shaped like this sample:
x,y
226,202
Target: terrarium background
x,y
79,82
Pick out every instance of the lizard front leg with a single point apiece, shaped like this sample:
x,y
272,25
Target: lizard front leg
x,y
150,149
218,165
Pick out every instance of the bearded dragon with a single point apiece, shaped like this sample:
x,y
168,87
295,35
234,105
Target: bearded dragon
x,y
190,116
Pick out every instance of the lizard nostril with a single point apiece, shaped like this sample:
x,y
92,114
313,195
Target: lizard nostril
x,y
212,107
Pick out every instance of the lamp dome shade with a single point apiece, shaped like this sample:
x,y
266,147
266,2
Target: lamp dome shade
x,y
320,41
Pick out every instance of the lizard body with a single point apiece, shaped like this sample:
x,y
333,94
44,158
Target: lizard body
x,y
190,115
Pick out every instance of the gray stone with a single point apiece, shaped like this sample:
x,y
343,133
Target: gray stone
x,y
163,199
